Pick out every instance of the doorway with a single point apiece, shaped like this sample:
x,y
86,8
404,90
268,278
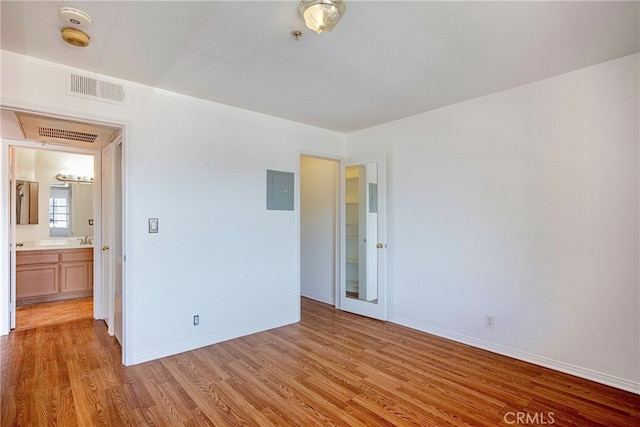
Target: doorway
x,y
319,227
21,129
54,266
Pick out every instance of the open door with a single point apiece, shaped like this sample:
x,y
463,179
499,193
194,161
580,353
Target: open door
x,y
108,213
363,288
12,238
111,237
116,250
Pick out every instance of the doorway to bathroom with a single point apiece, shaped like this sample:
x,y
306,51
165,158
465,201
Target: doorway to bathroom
x,y
94,256
54,235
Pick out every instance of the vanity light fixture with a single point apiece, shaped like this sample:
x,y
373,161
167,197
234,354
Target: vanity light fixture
x,y
321,15
74,178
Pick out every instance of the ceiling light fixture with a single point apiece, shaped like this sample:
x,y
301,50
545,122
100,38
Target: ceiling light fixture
x,y
74,18
75,36
321,15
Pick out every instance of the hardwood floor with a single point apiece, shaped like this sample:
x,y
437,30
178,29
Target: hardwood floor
x,y
332,368
51,313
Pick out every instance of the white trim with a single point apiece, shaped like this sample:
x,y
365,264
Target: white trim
x,y
5,238
567,368
60,113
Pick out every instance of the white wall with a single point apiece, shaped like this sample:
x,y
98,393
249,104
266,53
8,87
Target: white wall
x,y
523,205
200,168
318,208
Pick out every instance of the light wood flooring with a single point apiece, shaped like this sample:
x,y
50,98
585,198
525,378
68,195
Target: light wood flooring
x,y
332,368
51,313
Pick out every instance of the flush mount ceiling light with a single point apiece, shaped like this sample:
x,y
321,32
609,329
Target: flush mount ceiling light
x,y
321,15
75,36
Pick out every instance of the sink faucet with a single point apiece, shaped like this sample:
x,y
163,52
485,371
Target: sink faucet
x,y
86,240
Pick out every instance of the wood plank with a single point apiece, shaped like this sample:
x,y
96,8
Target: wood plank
x,y
332,368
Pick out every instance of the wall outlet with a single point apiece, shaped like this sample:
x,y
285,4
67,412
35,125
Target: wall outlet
x,y
392,300
489,321
196,320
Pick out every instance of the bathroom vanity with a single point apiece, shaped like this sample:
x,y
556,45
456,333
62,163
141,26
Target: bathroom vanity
x,y
53,274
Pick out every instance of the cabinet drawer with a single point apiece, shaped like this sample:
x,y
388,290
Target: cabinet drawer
x,y
76,255
36,257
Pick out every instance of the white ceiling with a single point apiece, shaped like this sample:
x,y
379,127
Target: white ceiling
x,y
384,61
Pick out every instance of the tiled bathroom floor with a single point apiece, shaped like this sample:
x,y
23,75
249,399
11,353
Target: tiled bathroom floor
x,y
52,313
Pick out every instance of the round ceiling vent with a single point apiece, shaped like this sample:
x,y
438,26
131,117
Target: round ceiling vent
x,y
71,16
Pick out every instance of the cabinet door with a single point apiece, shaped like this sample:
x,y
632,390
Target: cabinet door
x,y
74,276
36,280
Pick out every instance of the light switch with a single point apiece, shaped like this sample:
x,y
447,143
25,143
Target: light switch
x,y
153,225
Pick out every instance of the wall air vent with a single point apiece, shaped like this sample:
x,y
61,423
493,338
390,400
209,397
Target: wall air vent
x,y
100,90
67,134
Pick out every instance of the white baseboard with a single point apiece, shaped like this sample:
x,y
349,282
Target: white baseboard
x,y
210,340
322,298
567,368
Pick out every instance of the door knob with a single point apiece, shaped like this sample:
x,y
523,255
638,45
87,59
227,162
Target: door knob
x,y
380,246
105,248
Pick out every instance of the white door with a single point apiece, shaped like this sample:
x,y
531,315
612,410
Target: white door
x,y
116,234
107,217
363,288
12,239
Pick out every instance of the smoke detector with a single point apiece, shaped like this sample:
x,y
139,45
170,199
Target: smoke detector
x,y
71,16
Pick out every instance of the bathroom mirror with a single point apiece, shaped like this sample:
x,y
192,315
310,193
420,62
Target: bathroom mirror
x,y
26,202
361,245
70,209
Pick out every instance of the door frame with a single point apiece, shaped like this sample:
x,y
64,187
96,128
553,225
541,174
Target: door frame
x,y
6,288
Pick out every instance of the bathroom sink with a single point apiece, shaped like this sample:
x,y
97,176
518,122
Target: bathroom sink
x,y
42,244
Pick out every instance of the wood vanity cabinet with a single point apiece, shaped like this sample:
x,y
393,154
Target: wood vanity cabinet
x,y
37,274
52,275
